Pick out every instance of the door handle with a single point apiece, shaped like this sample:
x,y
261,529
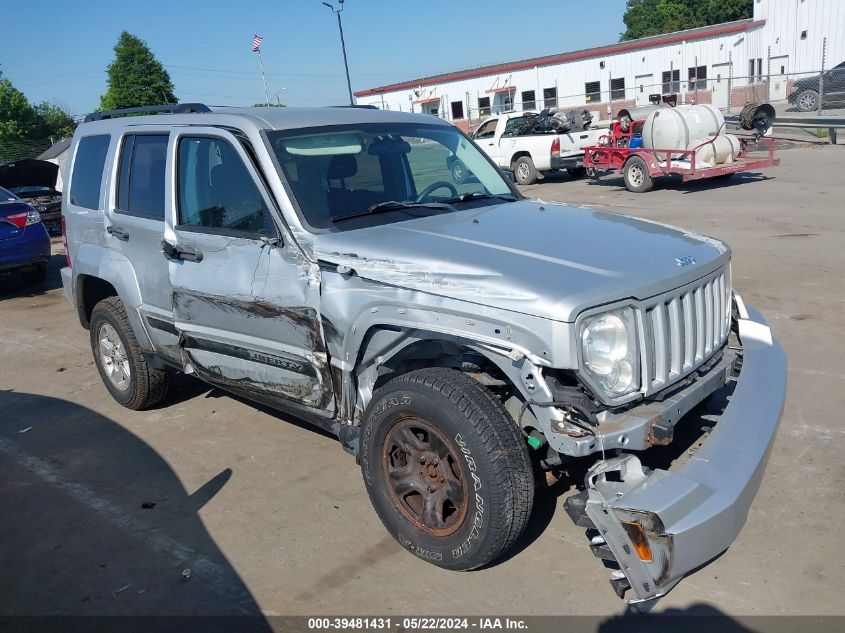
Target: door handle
x,y
118,232
186,253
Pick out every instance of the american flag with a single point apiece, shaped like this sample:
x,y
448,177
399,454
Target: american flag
x,y
256,43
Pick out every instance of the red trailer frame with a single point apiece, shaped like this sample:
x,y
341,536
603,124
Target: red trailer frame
x,y
613,154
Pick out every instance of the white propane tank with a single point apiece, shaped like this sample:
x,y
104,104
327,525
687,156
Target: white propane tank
x,y
715,150
676,128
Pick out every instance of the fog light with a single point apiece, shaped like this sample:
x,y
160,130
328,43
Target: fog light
x,y
636,533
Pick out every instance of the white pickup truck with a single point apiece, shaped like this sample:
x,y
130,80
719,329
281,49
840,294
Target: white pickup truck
x,y
530,143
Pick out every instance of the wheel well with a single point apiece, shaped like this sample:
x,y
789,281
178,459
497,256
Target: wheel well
x,y
517,156
451,354
93,290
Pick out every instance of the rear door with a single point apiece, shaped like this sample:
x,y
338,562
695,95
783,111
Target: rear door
x,y
244,301
134,222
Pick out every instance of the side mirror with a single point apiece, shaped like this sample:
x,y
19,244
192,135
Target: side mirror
x,y
508,174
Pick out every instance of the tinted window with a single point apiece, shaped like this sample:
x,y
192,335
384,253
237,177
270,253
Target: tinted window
x,y
140,190
215,189
88,171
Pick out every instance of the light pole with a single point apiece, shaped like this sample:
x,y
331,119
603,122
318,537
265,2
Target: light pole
x,y
342,45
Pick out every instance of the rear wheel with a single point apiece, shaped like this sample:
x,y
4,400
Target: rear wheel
x,y
637,178
125,372
524,172
446,468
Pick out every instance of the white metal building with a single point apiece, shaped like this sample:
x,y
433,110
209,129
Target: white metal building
x,y
724,64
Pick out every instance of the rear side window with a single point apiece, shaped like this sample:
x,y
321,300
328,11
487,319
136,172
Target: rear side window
x,y
88,171
140,188
216,191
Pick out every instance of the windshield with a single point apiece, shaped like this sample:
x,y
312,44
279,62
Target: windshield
x,y
350,172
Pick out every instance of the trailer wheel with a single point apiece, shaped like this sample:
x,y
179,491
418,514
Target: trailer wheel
x,y
637,178
524,171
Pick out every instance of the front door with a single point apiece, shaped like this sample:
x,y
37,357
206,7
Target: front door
x,y
245,299
485,138
643,87
721,90
777,80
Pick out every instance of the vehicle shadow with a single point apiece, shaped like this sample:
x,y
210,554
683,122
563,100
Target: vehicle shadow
x,y
12,285
96,523
698,618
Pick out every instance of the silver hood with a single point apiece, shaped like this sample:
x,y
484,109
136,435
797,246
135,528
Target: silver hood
x,y
539,258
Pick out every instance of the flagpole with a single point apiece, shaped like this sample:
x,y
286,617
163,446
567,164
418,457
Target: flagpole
x,y
263,78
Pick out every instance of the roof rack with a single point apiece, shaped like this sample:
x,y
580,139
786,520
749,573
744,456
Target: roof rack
x,y
175,108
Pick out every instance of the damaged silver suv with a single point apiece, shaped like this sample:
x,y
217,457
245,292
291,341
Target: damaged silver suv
x,y
455,336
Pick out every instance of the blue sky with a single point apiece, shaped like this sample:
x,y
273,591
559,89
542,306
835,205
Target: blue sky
x,y
206,45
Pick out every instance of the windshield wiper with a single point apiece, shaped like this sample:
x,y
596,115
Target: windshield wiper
x,y
393,205
480,195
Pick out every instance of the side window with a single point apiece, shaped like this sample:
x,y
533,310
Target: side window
x,y
140,187
215,190
488,130
88,171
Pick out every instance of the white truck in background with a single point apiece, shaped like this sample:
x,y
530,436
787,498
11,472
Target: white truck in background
x,y
531,143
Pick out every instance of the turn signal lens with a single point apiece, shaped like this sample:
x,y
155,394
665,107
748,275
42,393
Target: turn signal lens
x,y
635,532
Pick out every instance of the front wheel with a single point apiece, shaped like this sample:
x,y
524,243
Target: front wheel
x,y
637,178
459,172
446,468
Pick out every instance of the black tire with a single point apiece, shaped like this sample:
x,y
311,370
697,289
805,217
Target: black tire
x,y
459,171
485,449
577,172
146,386
37,275
807,101
524,172
637,178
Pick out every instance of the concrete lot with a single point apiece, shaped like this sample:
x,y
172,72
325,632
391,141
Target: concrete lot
x,y
272,516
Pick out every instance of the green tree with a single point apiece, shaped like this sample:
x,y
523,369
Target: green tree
x,y
653,17
53,121
17,117
136,77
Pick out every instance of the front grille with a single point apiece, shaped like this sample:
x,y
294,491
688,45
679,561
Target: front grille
x,y
684,328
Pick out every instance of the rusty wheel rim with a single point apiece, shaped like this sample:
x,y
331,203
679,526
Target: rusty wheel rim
x,y
424,477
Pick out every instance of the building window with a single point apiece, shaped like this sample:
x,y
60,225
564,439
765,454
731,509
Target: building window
x,y
592,91
698,78
550,97
759,69
484,106
671,81
457,110
617,88
528,102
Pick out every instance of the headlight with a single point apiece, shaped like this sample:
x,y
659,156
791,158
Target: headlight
x,y
609,351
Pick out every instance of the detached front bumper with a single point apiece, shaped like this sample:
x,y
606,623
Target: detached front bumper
x,y
661,525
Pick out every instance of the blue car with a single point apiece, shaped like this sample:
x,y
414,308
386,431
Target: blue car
x,y
24,242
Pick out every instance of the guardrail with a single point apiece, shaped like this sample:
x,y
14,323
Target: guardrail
x,y
831,123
